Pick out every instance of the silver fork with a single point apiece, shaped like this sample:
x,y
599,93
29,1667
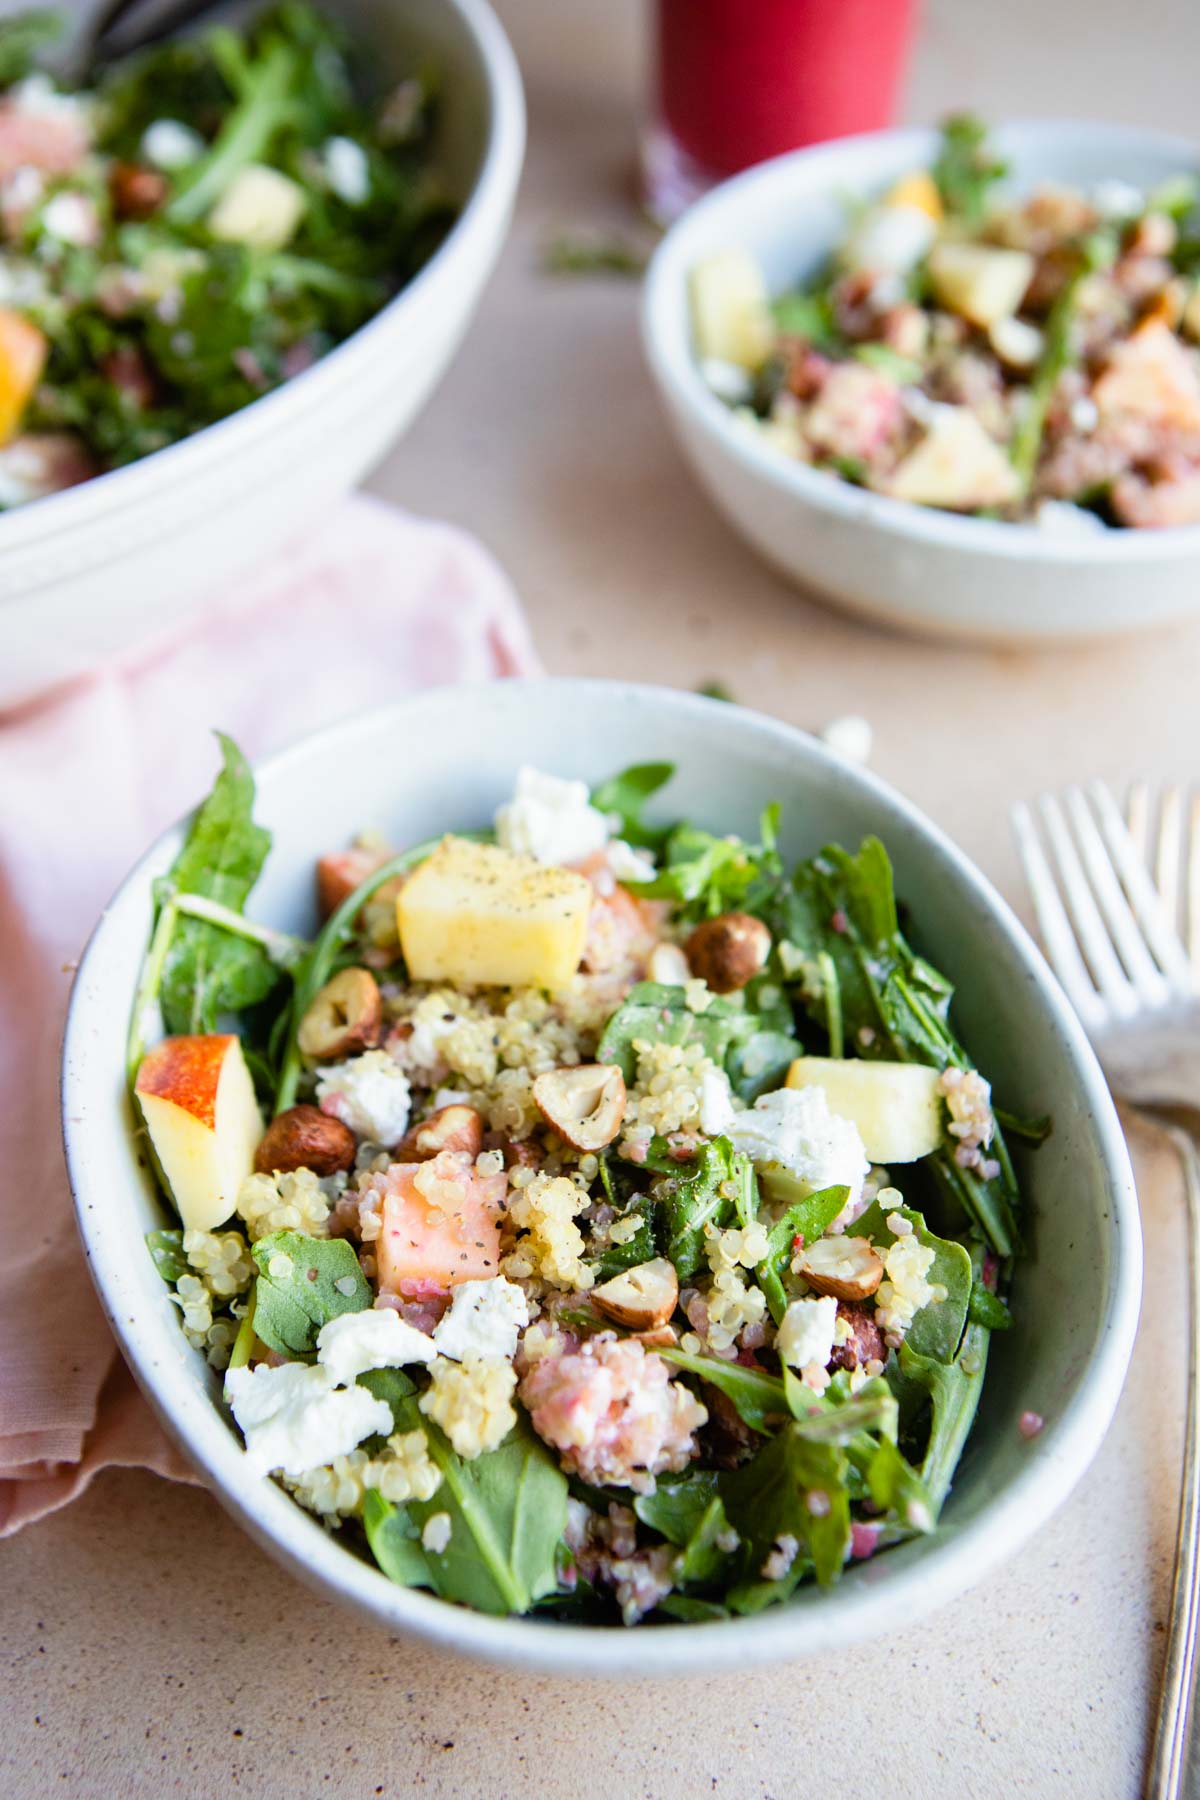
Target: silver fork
x,y
1110,908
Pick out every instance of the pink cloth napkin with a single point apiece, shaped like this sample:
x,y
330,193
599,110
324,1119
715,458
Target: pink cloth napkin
x,y
372,605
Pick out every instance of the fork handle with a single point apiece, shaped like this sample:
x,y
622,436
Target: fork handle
x,y
1168,1760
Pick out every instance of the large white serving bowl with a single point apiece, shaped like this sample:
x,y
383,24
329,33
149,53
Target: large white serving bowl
x,y
905,565
1076,1295
88,571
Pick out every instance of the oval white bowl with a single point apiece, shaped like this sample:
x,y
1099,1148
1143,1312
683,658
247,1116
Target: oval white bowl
x,y
901,564
1076,1297
86,572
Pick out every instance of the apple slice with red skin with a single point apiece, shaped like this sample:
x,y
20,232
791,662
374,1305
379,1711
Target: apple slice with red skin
x,y
200,1109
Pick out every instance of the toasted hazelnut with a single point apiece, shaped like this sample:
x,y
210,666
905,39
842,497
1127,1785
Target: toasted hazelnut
x,y
450,1128
729,951
345,1017
137,192
585,1105
643,1297
662,1337
304,1137
668,965
847,1268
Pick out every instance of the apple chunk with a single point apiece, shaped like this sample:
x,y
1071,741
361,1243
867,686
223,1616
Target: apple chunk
x,y
198,1102
897,1106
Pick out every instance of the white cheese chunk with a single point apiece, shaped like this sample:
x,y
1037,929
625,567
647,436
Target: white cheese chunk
x,y
716,1102
170,145
376,1338
794,1130
347,170
370,1094
806,1332
551,820
293,1418
850,737
484,1321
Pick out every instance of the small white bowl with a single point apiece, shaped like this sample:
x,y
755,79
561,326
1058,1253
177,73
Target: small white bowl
x,y
902,564
85,572
1075,1297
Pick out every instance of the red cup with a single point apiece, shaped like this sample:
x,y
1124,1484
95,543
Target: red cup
x,y
737,81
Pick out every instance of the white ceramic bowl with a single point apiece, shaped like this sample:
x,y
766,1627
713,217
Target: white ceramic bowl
x,y
906,565
1076,1298
85,572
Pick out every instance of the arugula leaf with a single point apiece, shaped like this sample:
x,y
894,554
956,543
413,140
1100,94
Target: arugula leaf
x,y
166,1250
837,918
896,1487
637,1249
760,1398
508,1512
953,1391
966,170
986,1308
808,316
691,1610
937,1328
207,971
627,793
678,1504
733,1037
321,1281
394,1387
395,1542
705,1195
809,1219
793,1487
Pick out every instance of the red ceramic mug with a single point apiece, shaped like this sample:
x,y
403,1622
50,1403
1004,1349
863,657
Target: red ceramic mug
x,y
737,81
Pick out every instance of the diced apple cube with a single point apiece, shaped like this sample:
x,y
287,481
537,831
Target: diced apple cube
x,y
260,208
956,464
1151,376
200,1109
480,915
731,311
896,1106
439,1222
979,281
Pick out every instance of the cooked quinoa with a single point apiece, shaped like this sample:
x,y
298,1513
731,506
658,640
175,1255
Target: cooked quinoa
x,y
592,1258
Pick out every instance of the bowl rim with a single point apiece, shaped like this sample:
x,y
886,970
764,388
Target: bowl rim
x,y
830,1620
669,355
115,491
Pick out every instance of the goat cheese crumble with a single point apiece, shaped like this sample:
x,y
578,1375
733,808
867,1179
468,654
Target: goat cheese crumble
x,y
169,145
370,1094
293,1418
347,170
806,1332
373,1339
484,1321
794,1129
551,820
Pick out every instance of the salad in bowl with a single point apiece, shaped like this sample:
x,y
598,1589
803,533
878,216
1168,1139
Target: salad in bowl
x,y
1024,355
193,230
598,1217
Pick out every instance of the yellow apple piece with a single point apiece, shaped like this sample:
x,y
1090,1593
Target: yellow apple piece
x,y
731,311
897,1106
956,465
486,917
260,208
198,1102
23,352
979,281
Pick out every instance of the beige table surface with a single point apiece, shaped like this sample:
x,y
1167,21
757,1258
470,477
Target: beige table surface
x,y
147,1646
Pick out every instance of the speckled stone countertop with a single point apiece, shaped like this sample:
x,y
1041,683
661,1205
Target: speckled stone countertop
x,y
147,1646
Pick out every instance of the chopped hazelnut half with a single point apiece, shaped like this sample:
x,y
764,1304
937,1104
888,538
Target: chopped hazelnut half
x,y
728,951
847,1268
304,1137
643,1298
585,1105
450,1128
345,1018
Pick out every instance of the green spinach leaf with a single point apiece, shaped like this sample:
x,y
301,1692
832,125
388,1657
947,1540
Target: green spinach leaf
x,y
166,1250
938,1327
206,970
792,1488
705,1192
627,794
760,1398
304,1282
395,1542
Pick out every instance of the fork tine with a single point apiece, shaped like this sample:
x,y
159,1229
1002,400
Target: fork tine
x,y
1154,913
1167,856
1148,982
1115,987
1137,818
1053,923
